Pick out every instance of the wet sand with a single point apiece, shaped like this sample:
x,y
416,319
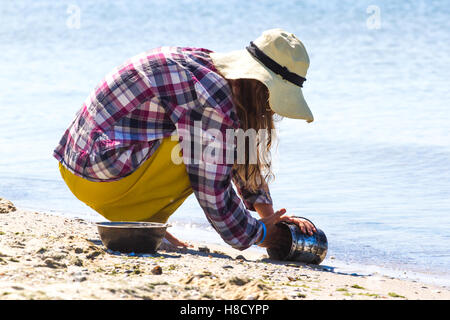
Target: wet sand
x,y
44,256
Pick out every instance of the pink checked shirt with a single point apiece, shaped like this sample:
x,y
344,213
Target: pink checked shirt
x,y
151,96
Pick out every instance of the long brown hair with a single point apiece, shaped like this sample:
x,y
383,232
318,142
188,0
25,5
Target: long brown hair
x,y
251,98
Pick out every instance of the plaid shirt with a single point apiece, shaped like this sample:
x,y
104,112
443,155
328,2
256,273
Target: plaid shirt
x,y
158,93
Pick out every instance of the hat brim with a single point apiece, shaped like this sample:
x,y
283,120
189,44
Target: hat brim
x,y
285,98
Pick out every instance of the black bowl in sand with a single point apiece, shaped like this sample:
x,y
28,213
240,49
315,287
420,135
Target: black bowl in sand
x,y
137,237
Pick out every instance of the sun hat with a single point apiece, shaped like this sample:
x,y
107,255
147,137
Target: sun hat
x,y
280,61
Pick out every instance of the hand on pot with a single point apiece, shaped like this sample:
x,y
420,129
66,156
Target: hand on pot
x,y
277,236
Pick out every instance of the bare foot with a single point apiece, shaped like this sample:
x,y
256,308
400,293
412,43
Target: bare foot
x,y
167,246
170,243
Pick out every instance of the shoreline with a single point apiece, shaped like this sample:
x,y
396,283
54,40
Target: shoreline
x,y
394,272
44,256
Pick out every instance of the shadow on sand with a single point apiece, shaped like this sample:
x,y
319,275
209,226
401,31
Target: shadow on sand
x,y
204,251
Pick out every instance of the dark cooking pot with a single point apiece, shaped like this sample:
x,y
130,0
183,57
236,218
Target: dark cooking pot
x,y
303,248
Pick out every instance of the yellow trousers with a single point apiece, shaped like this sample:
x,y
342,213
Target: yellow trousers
x,y
151,193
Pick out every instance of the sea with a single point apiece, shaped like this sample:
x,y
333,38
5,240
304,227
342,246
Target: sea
x,y
372,171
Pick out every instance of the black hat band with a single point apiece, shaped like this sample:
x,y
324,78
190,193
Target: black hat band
x,y
274,66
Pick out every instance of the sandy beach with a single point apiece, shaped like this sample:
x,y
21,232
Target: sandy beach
x,y
44,256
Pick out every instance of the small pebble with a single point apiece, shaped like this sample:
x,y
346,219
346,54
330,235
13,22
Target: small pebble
x,y
93,255
204,249
78,262
157,270
17,288
79,279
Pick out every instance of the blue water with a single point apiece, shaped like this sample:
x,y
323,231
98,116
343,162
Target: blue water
x,y
372,171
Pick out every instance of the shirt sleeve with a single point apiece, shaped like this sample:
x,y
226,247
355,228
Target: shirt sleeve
x,y
206,155
249,197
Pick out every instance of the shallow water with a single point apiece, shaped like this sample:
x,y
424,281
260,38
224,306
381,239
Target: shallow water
x,y
372,170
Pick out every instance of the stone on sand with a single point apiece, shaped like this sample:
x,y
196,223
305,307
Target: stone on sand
x,y
6,206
